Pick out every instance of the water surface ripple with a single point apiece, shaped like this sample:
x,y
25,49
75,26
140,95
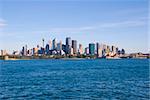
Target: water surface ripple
x,y
75,79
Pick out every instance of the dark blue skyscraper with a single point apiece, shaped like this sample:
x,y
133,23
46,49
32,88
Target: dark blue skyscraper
x,y
74,46
68,45
91,48
47,48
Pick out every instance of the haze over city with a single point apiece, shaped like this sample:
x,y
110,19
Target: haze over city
x,y
121,23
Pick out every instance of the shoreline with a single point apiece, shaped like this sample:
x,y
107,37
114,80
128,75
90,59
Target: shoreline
x,y
14,59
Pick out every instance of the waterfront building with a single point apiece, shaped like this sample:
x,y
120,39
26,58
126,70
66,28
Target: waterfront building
x,y
50,45
122,51
108,50
29,52
74,46
47,49
68,45
23,51
80,51
91,48
113,49
35,50
59,46
54,44
71,51
98,50
117,50
64,48
87,50
62,52
3,52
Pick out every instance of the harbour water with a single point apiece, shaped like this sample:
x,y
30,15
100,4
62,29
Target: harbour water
x,y
101,79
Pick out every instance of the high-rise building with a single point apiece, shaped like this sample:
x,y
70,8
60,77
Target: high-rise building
x,y
98,50
23,52
59,46
50,44
91,48
68,41
64,48
80,51
54,44
68,45
74,46
87,50
47,49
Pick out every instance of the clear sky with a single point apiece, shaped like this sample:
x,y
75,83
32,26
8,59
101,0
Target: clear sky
x,y
123,23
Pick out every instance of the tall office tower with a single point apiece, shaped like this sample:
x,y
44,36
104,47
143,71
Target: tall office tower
x,y
43,42
74,46
50,44
68,45
47,48
68,41
22,51
64,48
59,46
91,48
80,49
98,50
54,44
87,50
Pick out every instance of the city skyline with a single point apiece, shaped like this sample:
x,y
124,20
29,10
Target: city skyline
x,y
71,48
121,23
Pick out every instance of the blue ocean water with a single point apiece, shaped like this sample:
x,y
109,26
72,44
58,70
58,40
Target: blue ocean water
x,y
101,79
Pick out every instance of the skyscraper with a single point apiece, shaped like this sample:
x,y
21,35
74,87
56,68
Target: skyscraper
x,y
91,48
64,48
59,46
80,49
68,41
98,50
47,48
87,50
74,46
54,44
50,44
68,45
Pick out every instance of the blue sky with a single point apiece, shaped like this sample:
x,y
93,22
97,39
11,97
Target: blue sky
x,y
123,23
